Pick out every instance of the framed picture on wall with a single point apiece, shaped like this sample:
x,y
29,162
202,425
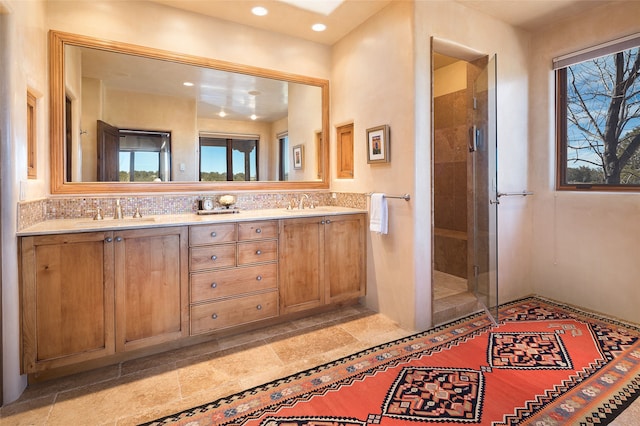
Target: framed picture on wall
x,y
298,159
378,144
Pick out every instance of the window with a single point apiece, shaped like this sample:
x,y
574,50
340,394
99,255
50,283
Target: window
x,y
32,172
228,159
143,156
598,117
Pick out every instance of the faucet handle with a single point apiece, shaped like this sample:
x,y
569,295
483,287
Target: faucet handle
x,y
136,214
98,215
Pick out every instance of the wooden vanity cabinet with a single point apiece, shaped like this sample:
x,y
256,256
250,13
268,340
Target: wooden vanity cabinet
x,y
92,298
233,274
67,299
89,295
322,261
151,287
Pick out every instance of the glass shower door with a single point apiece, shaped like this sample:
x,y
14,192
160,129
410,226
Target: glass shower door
x,y
483,145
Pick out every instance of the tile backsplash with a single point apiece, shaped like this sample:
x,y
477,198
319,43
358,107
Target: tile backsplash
x,y
35,211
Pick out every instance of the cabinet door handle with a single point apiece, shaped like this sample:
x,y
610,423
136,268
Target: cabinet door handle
x,y
259,278
259,307
108,240
328,221
322,222
118,239
214,257
258,231
258,252
214,316
213,234
214,285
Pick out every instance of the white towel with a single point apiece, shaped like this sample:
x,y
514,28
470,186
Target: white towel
x,y
378,213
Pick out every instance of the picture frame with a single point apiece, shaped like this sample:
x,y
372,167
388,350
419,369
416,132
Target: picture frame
x,y
378,144
298,157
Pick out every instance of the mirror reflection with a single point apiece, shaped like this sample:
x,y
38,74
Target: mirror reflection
x,y
132,118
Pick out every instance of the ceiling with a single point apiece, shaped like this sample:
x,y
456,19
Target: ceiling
x,y
295,17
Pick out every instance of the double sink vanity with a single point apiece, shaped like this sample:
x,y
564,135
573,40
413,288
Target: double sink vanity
x,y
96,292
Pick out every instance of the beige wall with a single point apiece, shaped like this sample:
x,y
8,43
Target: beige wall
x,y
375,82
585,244
23,66
372,85
305,119
143,111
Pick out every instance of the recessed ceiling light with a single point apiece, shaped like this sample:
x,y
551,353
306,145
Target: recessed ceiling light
x,y
318,27
188,84
259,11
222,114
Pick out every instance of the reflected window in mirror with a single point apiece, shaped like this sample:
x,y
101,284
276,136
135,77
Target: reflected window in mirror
x,y
228,159
283,143
144,156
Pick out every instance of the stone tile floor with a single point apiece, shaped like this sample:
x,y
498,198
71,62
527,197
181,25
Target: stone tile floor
x,y
145,389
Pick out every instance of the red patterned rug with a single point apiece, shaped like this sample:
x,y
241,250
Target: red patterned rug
x,y
544,364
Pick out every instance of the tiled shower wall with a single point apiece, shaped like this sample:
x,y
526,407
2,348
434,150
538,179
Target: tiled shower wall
x,y
32,212
450,183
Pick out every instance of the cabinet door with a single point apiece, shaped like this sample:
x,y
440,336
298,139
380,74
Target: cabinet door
x,y
67,296
301,260
344,256
151,286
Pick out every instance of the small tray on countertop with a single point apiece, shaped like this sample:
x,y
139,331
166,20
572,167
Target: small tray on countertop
x,y
219,211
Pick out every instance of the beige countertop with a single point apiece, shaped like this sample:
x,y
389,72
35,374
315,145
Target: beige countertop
x,y
64,226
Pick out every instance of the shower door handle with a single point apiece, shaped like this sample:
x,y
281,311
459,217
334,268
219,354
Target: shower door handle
x,y
473,139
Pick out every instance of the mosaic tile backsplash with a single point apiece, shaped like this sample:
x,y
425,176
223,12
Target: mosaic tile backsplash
x,y
35,211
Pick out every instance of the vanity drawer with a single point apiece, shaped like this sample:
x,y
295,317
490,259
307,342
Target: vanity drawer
x,y
212,234
209,257
257,230
257,252
228,313
232,282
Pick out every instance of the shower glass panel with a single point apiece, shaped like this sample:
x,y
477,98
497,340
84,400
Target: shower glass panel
x,y
483,144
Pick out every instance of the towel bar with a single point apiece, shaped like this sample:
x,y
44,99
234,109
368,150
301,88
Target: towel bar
x,y
405,197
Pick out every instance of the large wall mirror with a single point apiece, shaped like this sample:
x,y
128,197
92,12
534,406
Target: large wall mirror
x,y
126,118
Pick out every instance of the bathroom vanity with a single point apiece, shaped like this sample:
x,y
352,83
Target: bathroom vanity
x,y
99,292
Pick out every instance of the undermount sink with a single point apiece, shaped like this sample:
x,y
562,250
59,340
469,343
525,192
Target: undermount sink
x,y
308,209
115,222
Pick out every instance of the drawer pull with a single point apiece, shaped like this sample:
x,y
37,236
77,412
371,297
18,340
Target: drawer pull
x,y
258,252
259,278
214,285
258,231
214,316
214,257
213,234
108,240
259,307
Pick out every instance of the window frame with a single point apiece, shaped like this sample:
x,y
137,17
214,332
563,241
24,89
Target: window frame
x,y
202,141
561,66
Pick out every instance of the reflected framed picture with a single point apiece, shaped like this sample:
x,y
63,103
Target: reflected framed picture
x,y
378,144
298,156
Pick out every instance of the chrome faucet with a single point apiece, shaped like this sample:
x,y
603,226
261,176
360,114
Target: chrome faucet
x,y
301,203
117,214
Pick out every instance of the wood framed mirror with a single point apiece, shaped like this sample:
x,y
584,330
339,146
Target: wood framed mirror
x,y
94,80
